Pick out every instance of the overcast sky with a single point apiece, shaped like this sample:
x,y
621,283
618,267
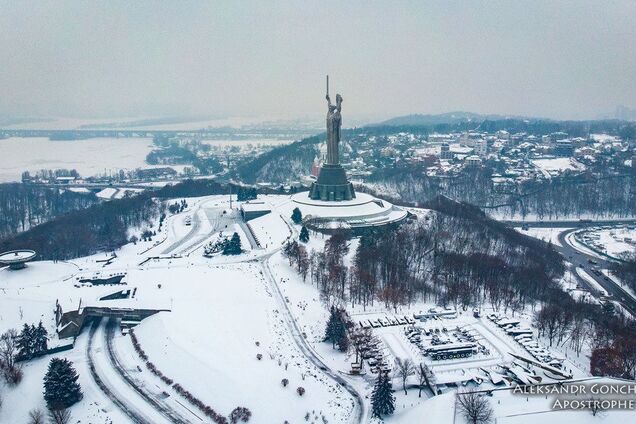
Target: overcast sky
x,y
557,59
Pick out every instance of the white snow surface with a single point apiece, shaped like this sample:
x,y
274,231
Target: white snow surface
x,y
224,311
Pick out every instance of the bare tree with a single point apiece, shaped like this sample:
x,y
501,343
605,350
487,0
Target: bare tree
x,y
60,416
475,407
36,416
405,368
426,377
8,348
8,351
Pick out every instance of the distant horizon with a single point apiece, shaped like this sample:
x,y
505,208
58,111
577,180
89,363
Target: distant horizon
x,y
238,121
541,58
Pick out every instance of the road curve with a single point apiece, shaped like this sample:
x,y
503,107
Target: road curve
x,y
301,342
196,222
134,417
579,258
170,414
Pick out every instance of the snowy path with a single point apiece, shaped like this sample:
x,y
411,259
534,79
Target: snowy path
x,y
196,222
126,399
157,403
360,415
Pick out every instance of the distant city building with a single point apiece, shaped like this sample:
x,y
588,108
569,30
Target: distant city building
x,y
165,172
481,147
472,161
564,148
559,135
445,152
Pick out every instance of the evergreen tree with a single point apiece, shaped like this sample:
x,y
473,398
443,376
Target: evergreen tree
x,y
297,216
233,247
41,339
26,342
61,389
343,338
304,234
331,332
382,399
336,331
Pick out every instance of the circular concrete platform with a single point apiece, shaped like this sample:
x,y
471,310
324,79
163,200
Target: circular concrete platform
x,y
16,259
363,211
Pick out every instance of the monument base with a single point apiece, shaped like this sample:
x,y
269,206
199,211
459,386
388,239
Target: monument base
x,y
362,212
332,185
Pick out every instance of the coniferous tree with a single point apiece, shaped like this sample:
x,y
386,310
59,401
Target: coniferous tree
x,y
234,246
304,234
331,332
41,339
61,389
336,331
297,216
26,342
382,399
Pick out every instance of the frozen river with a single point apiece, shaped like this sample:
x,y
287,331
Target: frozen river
x,y
89,157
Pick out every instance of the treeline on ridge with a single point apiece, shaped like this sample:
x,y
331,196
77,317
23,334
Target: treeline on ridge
x,y
23,206
103,226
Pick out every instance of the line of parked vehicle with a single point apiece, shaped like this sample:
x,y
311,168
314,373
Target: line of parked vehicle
x,y
524,336
373,353
386,321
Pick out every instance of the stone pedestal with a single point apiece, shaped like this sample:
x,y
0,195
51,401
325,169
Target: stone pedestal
x,y
332,185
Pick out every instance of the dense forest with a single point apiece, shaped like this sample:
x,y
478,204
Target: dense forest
x,y
281,164
23,206
454,256
104,226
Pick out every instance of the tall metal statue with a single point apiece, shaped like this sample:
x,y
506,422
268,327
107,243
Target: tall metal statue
x,y
334,123
332,183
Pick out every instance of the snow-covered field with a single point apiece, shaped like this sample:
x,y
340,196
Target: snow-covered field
x,y
89,157
223,312
248,143
557,164
614,242
549,235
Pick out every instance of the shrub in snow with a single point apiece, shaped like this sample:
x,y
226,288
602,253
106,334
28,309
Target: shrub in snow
x,y
239,414
59,416
13,376
300,391
297,216
207,410
36,416
285,382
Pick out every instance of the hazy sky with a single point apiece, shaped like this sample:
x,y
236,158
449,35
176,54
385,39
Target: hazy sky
x,y
562,59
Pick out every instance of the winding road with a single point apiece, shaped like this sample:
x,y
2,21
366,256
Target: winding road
x,y
581,259
360,412
134,398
